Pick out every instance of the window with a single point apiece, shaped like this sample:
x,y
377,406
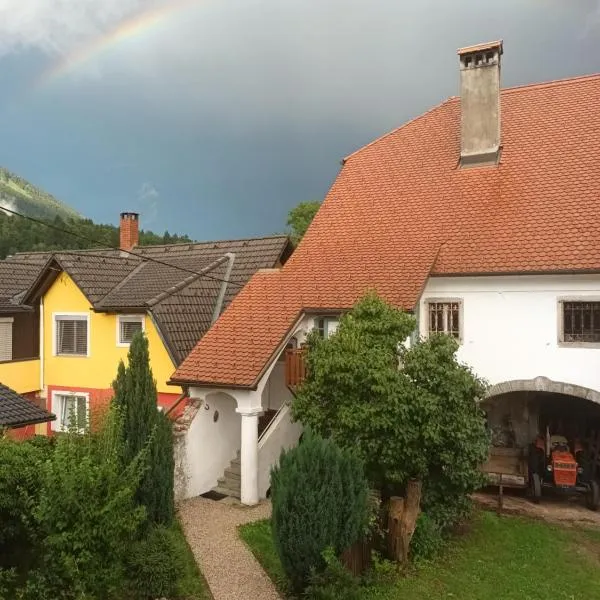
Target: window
x,y
6,327
71,410
127,327
444,317
581,322
71,335
326,326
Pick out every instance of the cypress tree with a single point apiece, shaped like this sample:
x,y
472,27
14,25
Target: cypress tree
x,y
136,397
320,498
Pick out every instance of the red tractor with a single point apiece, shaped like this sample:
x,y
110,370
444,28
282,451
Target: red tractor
x,y
552,464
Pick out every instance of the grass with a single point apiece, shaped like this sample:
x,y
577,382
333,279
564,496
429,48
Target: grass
x,y
191,585
500,557
258,538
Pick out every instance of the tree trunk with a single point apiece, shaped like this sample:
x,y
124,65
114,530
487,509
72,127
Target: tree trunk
x,y
402,521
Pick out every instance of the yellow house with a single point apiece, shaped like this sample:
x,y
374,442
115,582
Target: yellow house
x,y
87,305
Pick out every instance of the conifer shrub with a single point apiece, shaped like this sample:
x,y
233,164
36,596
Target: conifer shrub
x,y
145,427
320,500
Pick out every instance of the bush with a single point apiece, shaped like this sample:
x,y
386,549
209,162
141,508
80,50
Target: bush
x,y
86,517
20,482
427,540
334,582
152,566
320,500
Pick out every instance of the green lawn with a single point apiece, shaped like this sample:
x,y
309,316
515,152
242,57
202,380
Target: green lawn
x,y
191,585
507,558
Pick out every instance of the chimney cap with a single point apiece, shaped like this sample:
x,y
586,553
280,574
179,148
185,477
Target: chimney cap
x,y
497,45
129,214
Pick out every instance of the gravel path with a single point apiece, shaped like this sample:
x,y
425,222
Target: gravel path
x,y
230,569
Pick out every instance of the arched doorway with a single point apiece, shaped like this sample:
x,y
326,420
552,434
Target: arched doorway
x,y
520,411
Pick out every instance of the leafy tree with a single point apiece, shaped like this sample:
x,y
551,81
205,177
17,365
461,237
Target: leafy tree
x,y
300,217
144,426
408,413
86,517
320,500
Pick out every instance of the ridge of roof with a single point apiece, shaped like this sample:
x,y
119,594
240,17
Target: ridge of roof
x,y
210,242
126,279
185,282
403,126
450,99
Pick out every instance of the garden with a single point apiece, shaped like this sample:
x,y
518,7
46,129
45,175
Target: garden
x,y
91,516
375,500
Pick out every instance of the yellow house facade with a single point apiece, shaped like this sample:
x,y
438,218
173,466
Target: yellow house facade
x,y
76,315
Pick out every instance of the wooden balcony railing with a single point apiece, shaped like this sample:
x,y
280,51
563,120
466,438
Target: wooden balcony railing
x,y
295,368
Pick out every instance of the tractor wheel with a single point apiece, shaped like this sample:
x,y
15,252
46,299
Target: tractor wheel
x,y
593,496
535,487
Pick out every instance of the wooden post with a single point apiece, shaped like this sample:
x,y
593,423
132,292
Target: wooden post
x,y
408,522
394,517
500,495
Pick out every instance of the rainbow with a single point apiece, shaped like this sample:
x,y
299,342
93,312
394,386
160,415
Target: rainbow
x,y
134,27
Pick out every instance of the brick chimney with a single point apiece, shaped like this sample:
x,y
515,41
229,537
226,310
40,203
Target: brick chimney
x,y
129,230
480,104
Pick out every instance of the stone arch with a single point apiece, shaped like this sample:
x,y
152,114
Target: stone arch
x,y
543,384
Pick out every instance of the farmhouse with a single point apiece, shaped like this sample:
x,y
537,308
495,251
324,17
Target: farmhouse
x,y
482,217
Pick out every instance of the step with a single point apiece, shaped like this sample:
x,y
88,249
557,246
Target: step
x,y
227,492
234,471
230,484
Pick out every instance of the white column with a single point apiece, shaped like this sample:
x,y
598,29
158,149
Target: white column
x,y
249,456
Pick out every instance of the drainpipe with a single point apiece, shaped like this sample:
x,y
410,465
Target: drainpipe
x,y
221,297
185,394
41,344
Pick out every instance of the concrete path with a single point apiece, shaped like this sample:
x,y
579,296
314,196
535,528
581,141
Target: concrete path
x,y
228,566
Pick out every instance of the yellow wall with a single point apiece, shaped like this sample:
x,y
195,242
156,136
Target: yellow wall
x,y
99,369
22,375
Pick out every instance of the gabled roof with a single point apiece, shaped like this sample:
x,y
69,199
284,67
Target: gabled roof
x,y
15,278
402,209
17,411
180,291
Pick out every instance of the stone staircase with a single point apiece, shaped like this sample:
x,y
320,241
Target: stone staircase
x,y
229,484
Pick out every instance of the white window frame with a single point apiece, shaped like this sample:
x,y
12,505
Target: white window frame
x,y
8,320
561,322
128,318
57,424
65,316
327,321
450,300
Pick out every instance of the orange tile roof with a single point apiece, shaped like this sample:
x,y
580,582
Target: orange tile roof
x,y
402,209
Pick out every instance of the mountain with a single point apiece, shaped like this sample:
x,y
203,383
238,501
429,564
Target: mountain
x,y
56,220
18,194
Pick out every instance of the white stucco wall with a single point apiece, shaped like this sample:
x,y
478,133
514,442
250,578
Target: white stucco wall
x,y
204,451
282,434
511,326
275,392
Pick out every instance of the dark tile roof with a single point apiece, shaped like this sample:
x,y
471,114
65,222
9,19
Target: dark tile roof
x,y
16,410
178,283
15,278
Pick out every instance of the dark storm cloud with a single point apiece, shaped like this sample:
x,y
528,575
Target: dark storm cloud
x,y
238,109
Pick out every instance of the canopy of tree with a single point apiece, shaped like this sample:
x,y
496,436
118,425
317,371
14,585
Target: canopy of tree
x,y
300,217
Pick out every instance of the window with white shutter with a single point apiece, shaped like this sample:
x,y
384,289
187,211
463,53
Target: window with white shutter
x,y
71,335
127,327
71,410
6,344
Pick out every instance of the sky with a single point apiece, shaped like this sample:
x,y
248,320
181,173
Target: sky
x,y
215,117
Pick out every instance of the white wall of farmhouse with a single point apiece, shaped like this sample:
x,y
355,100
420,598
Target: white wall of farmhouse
x,y
510,326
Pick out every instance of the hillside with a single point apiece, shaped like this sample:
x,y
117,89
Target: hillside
x,y
22,235
18,194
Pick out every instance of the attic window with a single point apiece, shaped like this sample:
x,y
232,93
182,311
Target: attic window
x,y
6,343
127,327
